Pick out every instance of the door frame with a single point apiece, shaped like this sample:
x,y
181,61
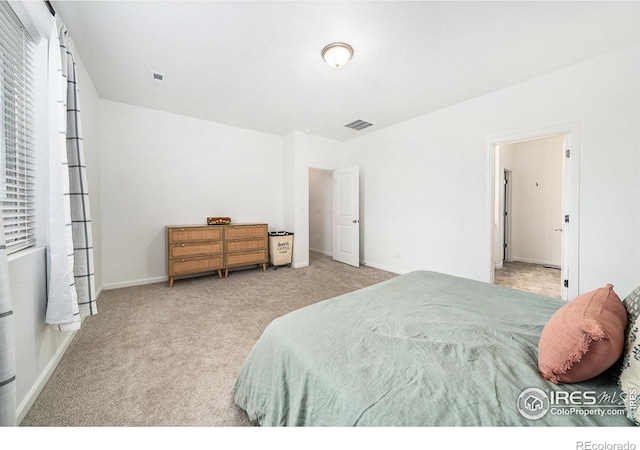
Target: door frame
x,y
571,198
507,236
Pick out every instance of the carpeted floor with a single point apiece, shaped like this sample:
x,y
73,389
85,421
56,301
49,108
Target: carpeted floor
x,y
160,356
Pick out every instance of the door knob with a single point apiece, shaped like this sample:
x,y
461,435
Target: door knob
x,y
355,221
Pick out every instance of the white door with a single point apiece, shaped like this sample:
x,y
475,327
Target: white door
x,y
346,216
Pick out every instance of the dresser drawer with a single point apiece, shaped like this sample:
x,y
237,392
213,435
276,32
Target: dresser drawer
x,y
245,231
208,233
246,258
188,249
242,245
195,265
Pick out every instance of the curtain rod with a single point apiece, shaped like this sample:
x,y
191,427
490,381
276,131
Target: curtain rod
x,y
50,7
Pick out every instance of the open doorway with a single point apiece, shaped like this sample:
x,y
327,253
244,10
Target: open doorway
x,y
320,212
334,214
534,228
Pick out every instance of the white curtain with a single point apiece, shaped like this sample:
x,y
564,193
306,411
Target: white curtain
x,y
7,347
71,281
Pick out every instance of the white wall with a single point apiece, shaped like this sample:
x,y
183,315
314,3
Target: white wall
x,y
537,201
161,169
302,152
39,346
289,184
427,181
321,211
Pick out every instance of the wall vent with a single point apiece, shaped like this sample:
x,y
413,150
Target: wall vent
x,y
358,125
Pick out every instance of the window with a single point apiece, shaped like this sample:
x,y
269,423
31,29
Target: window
x,y
17,196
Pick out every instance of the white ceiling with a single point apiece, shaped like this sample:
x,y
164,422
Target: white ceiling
x,y
257,65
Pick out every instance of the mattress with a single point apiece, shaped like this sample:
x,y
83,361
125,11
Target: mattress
x,y
421,349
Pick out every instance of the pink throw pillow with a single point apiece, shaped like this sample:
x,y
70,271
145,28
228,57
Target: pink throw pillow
x,y
583,338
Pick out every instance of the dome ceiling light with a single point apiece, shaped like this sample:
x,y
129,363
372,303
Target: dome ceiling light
x,y
337,54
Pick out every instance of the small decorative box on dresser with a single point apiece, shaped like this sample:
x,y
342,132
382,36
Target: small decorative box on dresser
x,y
194,249
245,245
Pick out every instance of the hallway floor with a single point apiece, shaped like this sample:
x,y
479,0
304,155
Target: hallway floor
x,y
529,277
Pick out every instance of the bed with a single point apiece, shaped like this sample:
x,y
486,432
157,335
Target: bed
x,y
421,349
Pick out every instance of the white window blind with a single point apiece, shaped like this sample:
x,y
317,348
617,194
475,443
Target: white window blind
x,y
16,132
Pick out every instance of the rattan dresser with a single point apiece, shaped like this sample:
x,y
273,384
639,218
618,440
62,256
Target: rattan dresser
x,y
199,249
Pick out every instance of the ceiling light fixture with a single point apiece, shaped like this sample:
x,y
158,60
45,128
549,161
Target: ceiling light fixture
x,y
337,54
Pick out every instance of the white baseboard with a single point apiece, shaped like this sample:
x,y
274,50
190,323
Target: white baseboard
x,y
123,284
380,267
34,392
322,252
537,261
109,286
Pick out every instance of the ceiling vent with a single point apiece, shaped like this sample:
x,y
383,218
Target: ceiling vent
x,y
358,125
157,77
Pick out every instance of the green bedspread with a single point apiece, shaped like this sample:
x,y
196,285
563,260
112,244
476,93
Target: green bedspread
x,y
422,349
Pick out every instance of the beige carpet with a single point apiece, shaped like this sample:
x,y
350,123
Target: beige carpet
x,y
160,356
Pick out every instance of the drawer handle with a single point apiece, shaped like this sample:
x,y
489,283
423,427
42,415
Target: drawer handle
x,y
181,245
181,229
